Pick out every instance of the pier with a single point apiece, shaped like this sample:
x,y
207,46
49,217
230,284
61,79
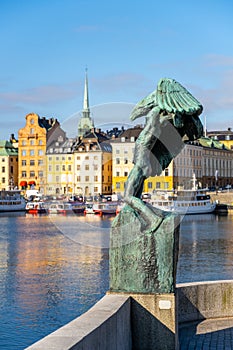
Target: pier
x,y
205,321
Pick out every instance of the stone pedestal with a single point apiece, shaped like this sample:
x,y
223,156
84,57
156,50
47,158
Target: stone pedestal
x,y
143,263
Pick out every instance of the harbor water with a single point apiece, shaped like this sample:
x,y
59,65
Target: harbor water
x,y
54,268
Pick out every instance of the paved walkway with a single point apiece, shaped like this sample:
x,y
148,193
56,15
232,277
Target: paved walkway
x,y
210,334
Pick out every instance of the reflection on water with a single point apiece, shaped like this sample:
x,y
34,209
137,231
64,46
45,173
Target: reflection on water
x,y
206,248
53,269
46,279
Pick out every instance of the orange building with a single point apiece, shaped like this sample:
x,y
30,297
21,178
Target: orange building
x,y
33,140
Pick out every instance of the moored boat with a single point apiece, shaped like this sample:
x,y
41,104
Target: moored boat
x,y
103,208
186,202
60,208
35,207
12,200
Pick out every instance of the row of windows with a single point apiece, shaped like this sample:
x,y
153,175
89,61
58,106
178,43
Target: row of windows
x,y
32,174
32,162
150,185
32,152
96,179
58,158
32,142
63,168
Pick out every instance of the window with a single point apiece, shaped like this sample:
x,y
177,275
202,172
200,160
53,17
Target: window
x,y
32,173
117,173
32,142
117,151
50,168
69,158
63,168
32,162
40,161
95,166
40,152
57,168
40,142
69,167
87,157
149,184
78,178
24,153
24,174
32,130
24,162
158,185
32,121
3,180
57,158
3,169
24,143
40,173
78,166
50,159
63,158
86,167
118,185
78,157
12,169
57,179
31,152
96,189
86,178
3,159
166,172
125,173
96,178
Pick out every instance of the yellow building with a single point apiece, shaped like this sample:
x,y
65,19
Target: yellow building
x,y
60,167
8,165
32,142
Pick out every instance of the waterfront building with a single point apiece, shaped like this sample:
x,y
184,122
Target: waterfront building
x,y
9,164
85,124
33,140
223,136
207,158
60,166
187,164
122,162
217,163
93,164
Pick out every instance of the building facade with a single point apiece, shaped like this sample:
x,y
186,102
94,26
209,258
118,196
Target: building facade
x,y
93,165
32,144
8,164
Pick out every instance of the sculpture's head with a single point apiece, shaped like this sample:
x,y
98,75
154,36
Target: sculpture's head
x,y
181,108
175,104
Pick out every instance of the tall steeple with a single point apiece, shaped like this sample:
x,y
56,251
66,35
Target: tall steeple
x,y
86,97
85,124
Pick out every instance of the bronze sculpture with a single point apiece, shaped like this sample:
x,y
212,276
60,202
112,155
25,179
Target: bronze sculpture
x,y
172,117
145,241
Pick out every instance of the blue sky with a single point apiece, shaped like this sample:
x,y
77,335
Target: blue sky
x,y
126,45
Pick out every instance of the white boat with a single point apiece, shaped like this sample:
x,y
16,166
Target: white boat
x,y
103,208
186,202
35,207
60,208
12,200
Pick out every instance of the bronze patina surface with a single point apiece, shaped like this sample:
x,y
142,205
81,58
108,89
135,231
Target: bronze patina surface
x,y
144,240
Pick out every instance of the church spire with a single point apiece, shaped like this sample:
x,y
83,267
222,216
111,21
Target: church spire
x,y
85,123
86,97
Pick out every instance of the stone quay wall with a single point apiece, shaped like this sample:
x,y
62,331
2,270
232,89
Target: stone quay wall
x,y
204,300
107,325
